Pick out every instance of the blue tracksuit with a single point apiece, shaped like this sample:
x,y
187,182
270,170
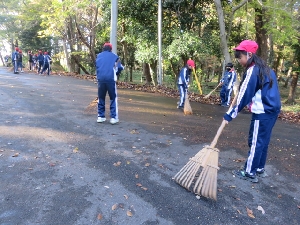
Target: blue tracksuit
x,y
264,103
46,64
14,60
182,83
107,67
40,59
228,82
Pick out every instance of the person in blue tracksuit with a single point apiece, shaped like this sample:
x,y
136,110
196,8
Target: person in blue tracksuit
x,y
20,60
107,67
40,60
46,63
14,59
260,93
183,81
227,82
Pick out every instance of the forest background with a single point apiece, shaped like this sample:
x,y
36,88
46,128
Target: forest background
x,y
73,32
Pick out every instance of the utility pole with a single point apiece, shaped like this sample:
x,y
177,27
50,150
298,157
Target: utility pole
x,y
159,43
114,25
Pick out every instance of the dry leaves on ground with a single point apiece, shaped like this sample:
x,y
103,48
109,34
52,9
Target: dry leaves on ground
x,y
170,92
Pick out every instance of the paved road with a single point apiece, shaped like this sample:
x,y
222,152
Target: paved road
x,y
58,166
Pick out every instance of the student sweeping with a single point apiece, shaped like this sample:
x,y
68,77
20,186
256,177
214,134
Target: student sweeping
x,y
227,82
107,67
183,81
259,92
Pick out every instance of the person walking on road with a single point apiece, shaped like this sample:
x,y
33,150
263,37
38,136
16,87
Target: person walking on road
x,y
40,60
30,61
227,82
183,81
107,66
46,63
14,60
260,93
20,60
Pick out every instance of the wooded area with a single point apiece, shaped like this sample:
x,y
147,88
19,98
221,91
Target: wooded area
x,y
73,31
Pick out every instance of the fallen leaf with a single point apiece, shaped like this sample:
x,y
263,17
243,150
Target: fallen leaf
x,y
99,217
298,206
114,207
136,176
279,196
147,164
239,211
144,188
117,163
139,185
129,213
126,197
219,189
75,150
232,186
261,209
16,155
250,213
138,151
128,162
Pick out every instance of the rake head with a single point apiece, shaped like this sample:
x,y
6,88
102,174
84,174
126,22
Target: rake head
x,y
200,173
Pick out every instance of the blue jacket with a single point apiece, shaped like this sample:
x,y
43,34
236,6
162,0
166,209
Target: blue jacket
x,y
229,79
40,58
263,102
184,76
14,56
106,67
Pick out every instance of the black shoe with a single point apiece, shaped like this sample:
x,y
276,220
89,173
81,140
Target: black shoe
x,y
242,174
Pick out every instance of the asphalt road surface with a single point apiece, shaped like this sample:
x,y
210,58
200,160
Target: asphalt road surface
x,y
58,166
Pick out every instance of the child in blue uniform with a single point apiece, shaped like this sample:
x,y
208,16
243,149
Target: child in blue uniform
x,y
259,92
107,67
183,81
227,81
14,60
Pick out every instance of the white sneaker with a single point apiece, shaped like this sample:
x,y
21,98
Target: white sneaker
x,y
101,119
114,121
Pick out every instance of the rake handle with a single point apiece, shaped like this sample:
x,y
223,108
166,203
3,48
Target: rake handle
x,y
214,142
224,122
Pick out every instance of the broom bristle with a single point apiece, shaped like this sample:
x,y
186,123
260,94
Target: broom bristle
x,y
187,109
187,174
206,184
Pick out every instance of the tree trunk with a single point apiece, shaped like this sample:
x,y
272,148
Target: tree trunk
x,y
288,77
153,67
293,87
71,41
175,70
261,33
147,73
223,38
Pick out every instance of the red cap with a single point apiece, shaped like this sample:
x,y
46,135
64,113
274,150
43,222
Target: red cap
x,y
20,51
190,63
45,53
248,46
107,44
16,48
